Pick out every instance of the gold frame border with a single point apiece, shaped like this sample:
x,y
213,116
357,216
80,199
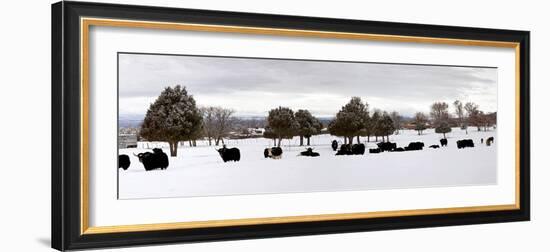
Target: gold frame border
x,y
85,24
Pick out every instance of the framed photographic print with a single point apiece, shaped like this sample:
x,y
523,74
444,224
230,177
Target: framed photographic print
x,y
181,125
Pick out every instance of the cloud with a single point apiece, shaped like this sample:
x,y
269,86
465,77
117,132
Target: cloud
x,y
253,86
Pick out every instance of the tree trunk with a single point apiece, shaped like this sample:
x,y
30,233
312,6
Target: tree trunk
x,y
308,142
217,142
351,140
209,141
274,142
376,138
301,140
444,136
368,138
194,143
358,140
173,148
223,143
279,143
345,140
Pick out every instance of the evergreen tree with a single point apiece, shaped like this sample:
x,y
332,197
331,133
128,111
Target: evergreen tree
x,y
283,123
173,117
350,120
374,124
268,133
308,125
386,126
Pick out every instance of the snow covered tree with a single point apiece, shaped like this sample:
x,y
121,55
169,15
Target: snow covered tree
x,y
440,117
420,121
283,123
308,125
173,117
350,120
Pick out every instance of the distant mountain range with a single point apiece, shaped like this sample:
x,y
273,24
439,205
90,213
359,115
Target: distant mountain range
x,y
135,120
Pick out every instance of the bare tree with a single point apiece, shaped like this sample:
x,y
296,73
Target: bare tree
x,y
440,117
208,122
473,114
397,120
420,121
460,115
223,121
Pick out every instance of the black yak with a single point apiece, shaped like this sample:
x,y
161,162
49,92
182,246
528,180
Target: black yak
x,y
386,146
309,153
464,143
345,149
232,154
443,142
356,149
334,145
490,141
123,161
399,149
373,151
273,152
415,146
435,146
155,160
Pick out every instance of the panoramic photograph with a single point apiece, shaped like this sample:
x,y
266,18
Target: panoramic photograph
x,y
197,125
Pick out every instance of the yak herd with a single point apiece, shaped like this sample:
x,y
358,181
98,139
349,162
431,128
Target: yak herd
x,y
159,160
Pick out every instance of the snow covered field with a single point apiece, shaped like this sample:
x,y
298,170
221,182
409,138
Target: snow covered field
x,y
199,171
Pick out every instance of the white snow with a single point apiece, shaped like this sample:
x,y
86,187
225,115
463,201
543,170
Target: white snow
x,y
199,171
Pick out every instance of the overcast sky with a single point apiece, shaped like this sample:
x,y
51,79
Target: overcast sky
x,y
254,86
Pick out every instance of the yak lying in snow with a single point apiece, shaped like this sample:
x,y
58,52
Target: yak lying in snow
x,y
386,146
415,146
155,160
309,153
273,152
232,154
356,149
123,161
490,141
435,146
443,142
464,143
373,151
334,145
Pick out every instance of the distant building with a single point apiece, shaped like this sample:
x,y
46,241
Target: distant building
x,y
127,141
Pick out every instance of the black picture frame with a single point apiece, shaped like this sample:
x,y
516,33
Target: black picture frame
x,y
66,124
